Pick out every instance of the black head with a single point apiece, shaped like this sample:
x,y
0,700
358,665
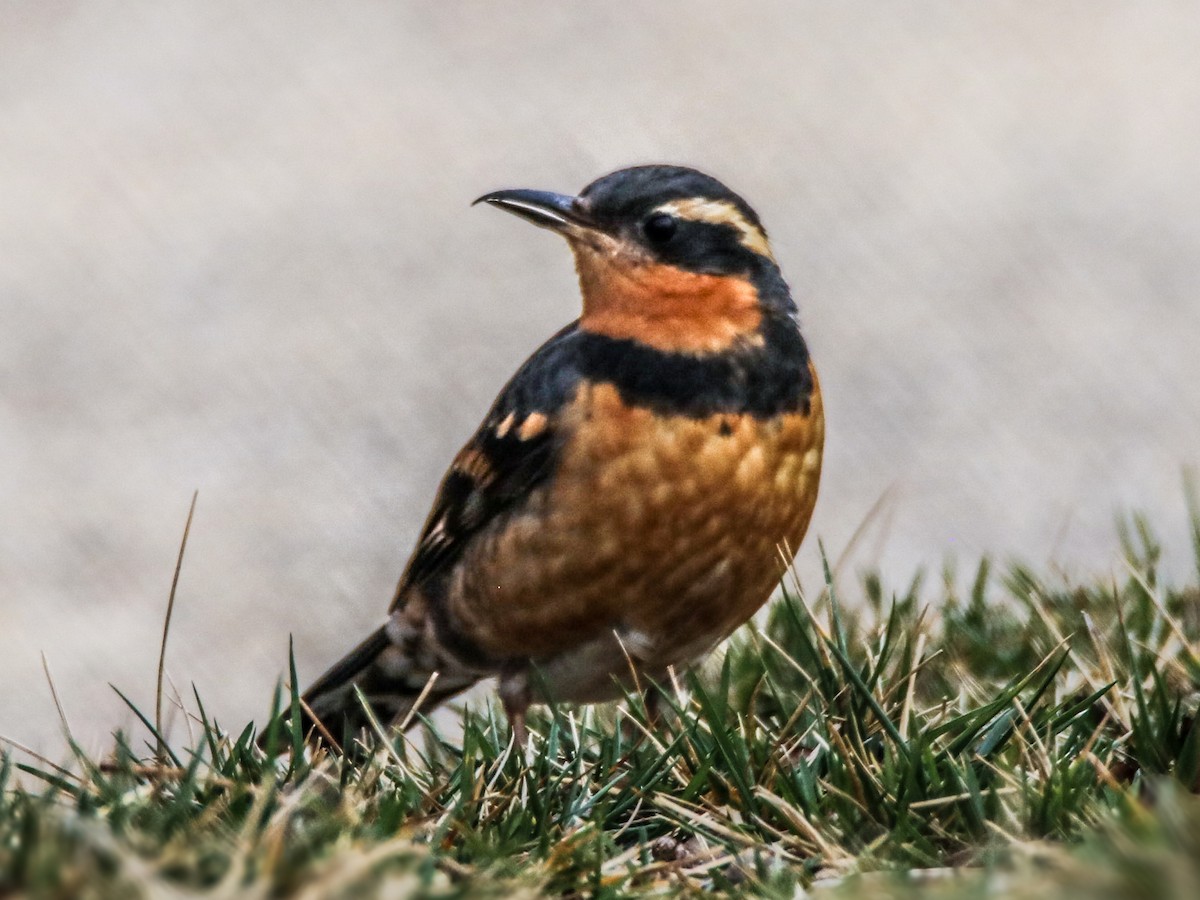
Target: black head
x,y
668,214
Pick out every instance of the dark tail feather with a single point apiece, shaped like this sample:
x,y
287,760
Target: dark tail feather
x,y
390,681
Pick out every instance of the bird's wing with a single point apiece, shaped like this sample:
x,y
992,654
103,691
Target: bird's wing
x,y
513,451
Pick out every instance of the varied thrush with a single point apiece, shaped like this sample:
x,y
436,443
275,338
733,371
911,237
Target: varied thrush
x,y
622,507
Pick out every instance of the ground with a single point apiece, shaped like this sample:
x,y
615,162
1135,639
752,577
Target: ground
x,y
1030,737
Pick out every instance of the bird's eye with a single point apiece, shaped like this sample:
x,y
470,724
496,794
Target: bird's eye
x,y
659,229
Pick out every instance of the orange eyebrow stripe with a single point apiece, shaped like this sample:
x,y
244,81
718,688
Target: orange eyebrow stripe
x,y
721,212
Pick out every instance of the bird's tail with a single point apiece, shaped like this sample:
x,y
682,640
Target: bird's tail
x,y
389,680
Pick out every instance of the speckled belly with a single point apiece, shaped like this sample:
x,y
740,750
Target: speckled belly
x,y
666,529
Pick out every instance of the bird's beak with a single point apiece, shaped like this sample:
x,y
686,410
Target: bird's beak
x,y
557,212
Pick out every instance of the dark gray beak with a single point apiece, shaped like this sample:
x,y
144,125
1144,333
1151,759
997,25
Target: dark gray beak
x,y
558,212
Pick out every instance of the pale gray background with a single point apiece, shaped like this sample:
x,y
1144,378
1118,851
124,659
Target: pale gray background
x,y
236,254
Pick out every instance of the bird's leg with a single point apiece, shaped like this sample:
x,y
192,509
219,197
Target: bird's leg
x,y
516,696
652,703
652,700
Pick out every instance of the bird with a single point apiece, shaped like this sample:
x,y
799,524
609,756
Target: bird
x,y
623,505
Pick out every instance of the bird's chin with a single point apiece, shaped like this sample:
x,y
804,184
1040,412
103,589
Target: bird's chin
x,y
590,243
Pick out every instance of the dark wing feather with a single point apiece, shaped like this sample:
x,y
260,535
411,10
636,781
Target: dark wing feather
x,y
501,463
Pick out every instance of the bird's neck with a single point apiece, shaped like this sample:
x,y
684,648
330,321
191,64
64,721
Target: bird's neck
x,y
667,308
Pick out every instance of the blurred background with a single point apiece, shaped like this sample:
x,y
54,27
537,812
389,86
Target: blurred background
x,y
236,255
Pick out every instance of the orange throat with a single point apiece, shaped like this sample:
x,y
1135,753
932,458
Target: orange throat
x,y
665,307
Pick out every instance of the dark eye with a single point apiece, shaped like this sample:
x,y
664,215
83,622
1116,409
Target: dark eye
x,y
659,229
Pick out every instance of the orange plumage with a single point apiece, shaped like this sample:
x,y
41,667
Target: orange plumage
x,y
626,499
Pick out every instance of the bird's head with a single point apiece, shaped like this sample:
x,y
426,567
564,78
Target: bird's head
x,y
666,255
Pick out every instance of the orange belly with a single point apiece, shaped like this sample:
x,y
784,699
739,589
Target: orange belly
x,y
666,529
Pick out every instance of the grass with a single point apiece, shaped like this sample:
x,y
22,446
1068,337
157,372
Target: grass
x,y
1025,738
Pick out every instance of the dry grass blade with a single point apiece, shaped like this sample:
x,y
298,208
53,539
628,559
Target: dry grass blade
x,y
318,724
421,697
884,506
62,714
911,686
162,649
29,751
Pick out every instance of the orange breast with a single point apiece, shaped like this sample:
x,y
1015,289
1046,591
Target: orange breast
x,y
667,527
